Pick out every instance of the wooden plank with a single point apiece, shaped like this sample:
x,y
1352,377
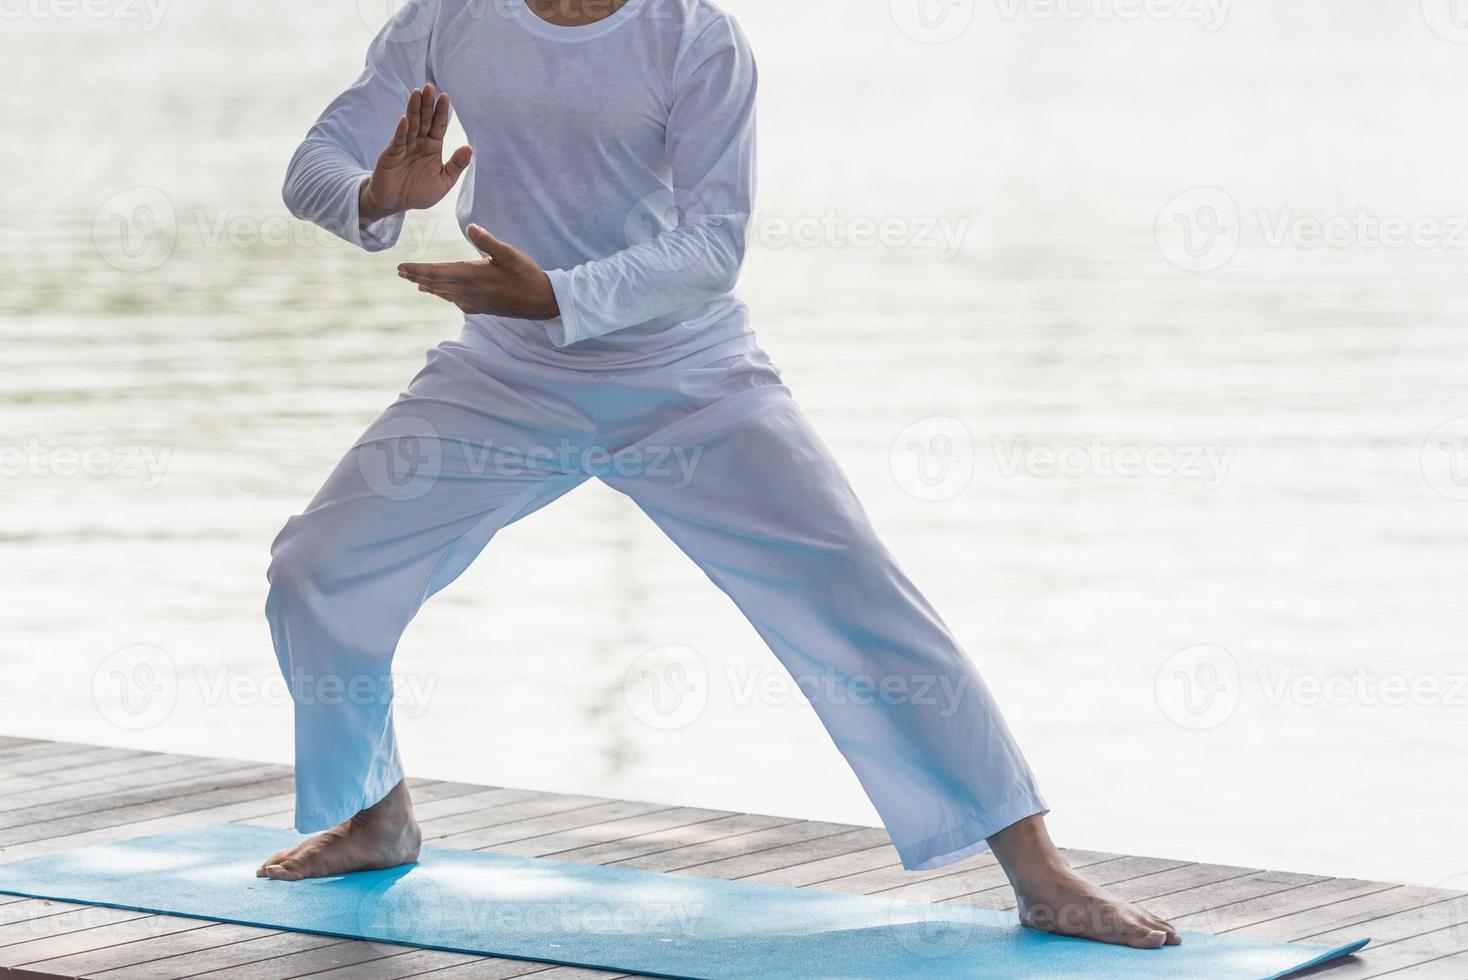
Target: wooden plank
x,y
331,956
500,970
142,812
1238,915
131,766
674,838
431,800
727,847
410,964
248,951
826,869
517,830
1448,968
638,825
1340,914
242,810
1183,878
788,855
41,750
144,928
1176,904
1386,960
43,920
1446,922
176,772
66,813
13,974
29,762
110,957
896,876
28,909
11,742
450,831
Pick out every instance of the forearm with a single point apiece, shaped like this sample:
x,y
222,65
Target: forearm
x,y
683,268
323,185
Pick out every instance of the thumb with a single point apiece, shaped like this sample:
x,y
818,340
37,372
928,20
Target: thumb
x,y
487,243
457,163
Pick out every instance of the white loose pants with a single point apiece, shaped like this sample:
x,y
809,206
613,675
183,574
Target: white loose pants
x,y
716,452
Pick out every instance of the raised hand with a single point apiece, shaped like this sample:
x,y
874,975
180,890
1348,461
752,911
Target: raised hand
x,y
411,172
507,282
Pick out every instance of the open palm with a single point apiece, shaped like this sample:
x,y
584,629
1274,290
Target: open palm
x,y
411,172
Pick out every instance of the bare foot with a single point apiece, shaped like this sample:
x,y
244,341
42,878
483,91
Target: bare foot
x,y
1053,898
385,835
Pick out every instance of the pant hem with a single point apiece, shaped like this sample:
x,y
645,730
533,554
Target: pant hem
x,y
313,821
967,840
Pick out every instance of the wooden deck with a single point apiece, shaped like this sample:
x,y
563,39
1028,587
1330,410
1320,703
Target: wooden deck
x,y
55,796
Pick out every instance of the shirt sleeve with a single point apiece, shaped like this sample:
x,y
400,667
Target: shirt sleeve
x,y
685,245
340,150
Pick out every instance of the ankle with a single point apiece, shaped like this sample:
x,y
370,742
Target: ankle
x,y
394,812
1028,856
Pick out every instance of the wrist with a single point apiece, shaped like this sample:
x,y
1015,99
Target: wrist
x,y
550,307
368,210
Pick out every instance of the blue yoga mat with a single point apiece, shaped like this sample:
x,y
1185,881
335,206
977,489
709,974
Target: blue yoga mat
x,y
612,918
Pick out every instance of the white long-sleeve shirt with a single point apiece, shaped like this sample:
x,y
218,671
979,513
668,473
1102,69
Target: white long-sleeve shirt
x,y
618,155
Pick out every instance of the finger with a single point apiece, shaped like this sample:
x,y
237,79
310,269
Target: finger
x,y
447,295
415,110
399,137
425,110
440,122
438,273
485,242
457,163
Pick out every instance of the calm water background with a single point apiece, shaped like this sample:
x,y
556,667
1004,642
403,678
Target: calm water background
x,y
155,297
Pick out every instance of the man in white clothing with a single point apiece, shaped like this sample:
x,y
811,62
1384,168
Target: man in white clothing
x,y
613,145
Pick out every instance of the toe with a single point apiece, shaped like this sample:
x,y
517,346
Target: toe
x,y
274,859
1147,938
1167,929
283,872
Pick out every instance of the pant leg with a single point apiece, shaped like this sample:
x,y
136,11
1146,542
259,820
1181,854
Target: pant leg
x,y
465,451
768,515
